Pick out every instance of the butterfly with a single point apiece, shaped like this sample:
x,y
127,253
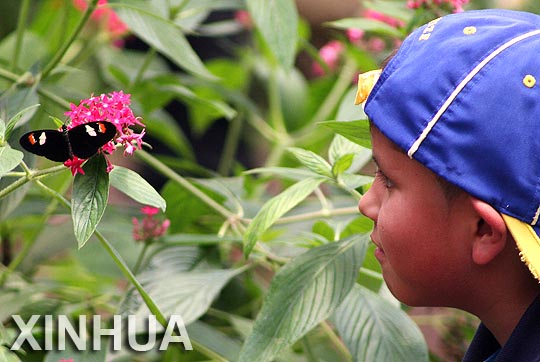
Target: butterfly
x,y
82,141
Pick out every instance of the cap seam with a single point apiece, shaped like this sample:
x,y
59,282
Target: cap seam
x,y
427,129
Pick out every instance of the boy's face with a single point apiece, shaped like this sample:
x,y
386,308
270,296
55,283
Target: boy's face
x,y
421,237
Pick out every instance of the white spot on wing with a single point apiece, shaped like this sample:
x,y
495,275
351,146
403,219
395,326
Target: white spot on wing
x,y
42,138
90,131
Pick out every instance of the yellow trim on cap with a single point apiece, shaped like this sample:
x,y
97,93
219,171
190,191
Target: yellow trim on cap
x,y
527,242
366,82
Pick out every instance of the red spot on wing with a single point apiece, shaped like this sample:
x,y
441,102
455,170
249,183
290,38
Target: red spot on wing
x,y
32,139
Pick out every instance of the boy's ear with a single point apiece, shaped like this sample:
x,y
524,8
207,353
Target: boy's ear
x,y
491,233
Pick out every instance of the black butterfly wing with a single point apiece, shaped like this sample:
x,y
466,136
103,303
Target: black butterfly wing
x,y
49,143
86,139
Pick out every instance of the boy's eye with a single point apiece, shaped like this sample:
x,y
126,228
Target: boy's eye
x,y
385,180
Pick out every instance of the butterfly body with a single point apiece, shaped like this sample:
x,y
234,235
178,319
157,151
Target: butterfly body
x,y
82,141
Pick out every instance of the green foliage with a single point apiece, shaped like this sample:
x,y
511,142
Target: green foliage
x,y
89,198
266,257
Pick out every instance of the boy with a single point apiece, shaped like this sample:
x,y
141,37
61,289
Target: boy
x,y
455,125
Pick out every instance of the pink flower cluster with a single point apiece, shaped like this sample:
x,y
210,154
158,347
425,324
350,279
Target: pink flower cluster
x,y
456,5
105,17
150,228
330,53
114,108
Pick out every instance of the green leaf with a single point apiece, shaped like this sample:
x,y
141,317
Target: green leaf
x,y
342,164
9,159
375,330
323,229
177,285
302,294
135,186
7,356
275,208
355,131
366,24
290,173
13,121
89,199
225,345
341,146
204,109
312,161
347,156
18,104
272,15
347,110
162,34
72,354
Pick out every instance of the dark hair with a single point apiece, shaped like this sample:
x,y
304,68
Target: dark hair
x,y
450,190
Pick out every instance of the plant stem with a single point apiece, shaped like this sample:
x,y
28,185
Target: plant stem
x,y
65,46
166,171
30,175
318,214
53,97
231,145
336,341
140,258
310,354
150,55
330,102
21,25
274,102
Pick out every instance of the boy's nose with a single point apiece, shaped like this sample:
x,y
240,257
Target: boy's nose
x,y
368,205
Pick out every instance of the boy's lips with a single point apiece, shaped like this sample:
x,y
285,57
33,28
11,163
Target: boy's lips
x,y
379,251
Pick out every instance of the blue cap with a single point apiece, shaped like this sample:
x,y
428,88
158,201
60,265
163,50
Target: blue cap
x,y
462,97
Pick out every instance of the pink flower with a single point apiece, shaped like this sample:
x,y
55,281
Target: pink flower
x,y
74,165
456,5
149,228
105,17
354,35
115,108
375,15
149,210
330,54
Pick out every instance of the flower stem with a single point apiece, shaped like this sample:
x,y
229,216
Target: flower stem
x,y
166,171
65,46
140,258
